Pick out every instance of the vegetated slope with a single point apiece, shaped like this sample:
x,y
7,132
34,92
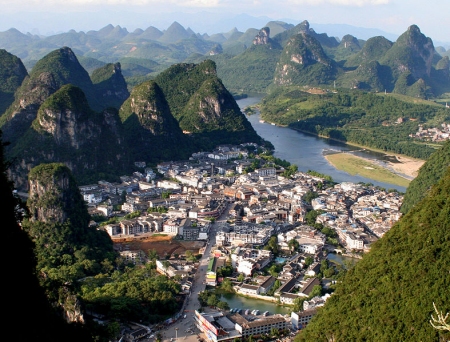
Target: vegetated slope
x,y
110,85
30,307
348,46
303,62
429,175
66,248
389,294
250,71
374,49
66,130
357,117
151,131
12,74
203,106
58,68
78,267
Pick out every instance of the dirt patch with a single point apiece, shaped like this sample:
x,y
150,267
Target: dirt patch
x,y
407,166
163,245
316,91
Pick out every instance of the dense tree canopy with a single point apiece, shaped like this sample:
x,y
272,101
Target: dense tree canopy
x,y
389,294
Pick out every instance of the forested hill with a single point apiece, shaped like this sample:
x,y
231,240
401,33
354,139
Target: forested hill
x,y
380,121
429,174
389,294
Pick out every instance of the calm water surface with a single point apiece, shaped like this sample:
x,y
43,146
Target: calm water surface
x,y
307,151
236,301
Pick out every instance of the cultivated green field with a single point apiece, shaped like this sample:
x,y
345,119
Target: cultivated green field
x,y
364,168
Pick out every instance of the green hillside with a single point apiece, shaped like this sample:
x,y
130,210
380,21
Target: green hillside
x,y
12,74
356,117
151,131
389,294
249,72
429,175
203,106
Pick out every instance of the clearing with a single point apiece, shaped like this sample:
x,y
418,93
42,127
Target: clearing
x,y
164,245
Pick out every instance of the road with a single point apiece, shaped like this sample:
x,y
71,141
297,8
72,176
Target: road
x,y
178,330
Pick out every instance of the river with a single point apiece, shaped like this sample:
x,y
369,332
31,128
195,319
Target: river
x,y
308,151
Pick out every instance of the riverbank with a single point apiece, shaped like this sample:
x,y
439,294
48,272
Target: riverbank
x,y
404,165
399,170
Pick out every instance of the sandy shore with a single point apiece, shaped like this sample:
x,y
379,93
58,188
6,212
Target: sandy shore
x,y
406,166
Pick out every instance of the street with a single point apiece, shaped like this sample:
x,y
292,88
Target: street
x,y
185,329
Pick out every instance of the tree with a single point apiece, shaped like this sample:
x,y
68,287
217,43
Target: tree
x,y
272,245
293,245
298,304
223,305
316,291
213,300
241,277
190,256
311,216
166,265
273,270
308,261
227,286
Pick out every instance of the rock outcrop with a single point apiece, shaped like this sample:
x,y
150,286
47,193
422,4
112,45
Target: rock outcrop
x,y
303,61
263,36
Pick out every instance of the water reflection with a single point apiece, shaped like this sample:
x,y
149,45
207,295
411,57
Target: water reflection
x,y
236,301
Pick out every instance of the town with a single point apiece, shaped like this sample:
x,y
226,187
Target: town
x,y
272,224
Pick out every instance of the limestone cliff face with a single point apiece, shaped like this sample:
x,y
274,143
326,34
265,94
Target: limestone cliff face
x,y
58,68
263,36
54,196
350,43
301,59
66,130
203,106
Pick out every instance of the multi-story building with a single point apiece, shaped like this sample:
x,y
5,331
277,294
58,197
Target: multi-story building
x,y
300,319
258,326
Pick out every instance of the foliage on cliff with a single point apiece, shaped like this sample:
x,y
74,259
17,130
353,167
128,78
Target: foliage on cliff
x,y
303,61
110,85
389,294
250,71
77,265
28,305
429,175
203,106
67,249
66,130
12,74
150,129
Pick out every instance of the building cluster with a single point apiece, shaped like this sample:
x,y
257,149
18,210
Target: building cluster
x,y
262,204
434,134
196,191
220,326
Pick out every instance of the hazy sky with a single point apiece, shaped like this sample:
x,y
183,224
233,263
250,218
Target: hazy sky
x,y
393,16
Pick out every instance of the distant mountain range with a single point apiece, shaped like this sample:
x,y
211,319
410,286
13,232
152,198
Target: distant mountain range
x,y
160,95
247,62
